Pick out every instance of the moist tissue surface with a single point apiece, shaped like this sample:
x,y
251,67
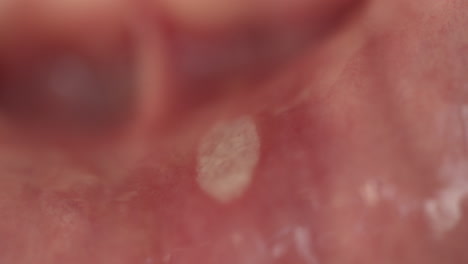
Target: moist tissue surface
x,y
354,151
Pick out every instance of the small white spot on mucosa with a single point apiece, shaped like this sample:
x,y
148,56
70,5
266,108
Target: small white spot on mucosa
x,y
304,245
445,210
227,157
370,193
279,250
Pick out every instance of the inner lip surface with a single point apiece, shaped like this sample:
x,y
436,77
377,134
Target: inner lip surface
x,y
321,180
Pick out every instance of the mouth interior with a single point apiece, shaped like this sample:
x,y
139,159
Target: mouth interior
x,y
256,178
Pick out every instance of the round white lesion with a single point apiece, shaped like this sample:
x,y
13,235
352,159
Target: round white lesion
x,y
227,157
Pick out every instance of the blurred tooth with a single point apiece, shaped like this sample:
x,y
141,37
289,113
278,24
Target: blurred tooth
x,y
85,94
71,80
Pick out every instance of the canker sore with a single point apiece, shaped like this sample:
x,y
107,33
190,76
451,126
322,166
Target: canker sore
x,y
227,157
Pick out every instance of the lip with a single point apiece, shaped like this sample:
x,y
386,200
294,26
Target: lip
x,y
256,48
299,185
208,64
196,66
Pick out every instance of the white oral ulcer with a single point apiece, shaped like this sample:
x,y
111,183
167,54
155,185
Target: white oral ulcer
x,y
227,157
